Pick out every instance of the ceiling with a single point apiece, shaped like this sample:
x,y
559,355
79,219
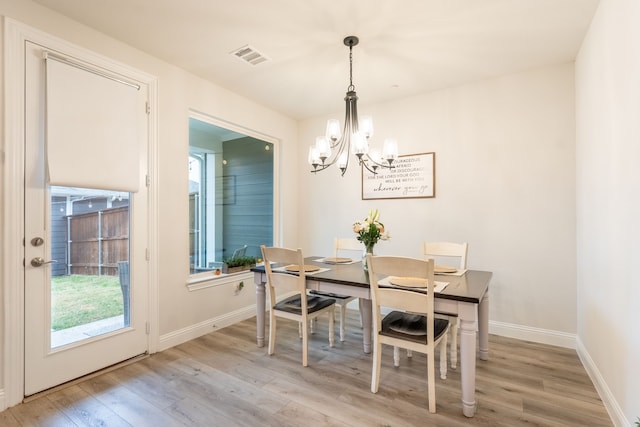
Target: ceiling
x,y
406,47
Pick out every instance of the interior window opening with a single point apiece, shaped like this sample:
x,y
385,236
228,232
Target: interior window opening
x,y
231,188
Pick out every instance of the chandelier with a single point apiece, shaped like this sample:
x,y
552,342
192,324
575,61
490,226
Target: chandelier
x,y
334,147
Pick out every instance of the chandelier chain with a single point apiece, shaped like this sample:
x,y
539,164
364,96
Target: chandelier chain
x,y
351,86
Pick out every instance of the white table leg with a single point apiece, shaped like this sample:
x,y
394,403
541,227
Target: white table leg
x,y
483,327
367,322
468,359
260,307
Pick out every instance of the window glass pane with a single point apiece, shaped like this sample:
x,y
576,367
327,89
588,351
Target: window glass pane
x,y
90,287
230,196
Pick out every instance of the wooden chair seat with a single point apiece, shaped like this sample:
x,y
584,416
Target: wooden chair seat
x,y
411,327
293,304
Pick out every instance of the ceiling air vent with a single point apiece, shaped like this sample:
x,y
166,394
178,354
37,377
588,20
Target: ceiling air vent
x,y
249,54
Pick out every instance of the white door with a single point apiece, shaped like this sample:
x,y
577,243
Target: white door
x,y
86,273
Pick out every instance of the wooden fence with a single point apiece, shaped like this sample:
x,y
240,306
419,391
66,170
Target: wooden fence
x,y
98,241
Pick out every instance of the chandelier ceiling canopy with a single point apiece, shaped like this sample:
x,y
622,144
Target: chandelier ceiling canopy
x,y
335,145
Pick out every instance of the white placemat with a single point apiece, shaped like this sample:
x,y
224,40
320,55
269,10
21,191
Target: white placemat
x,y
439,286
457,273
327,260
309,273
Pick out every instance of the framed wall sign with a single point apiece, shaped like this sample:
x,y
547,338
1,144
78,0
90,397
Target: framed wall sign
x,y
412,177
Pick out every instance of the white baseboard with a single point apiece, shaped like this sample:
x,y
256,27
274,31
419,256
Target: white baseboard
x,y
613,408
3,401
527,333
194,331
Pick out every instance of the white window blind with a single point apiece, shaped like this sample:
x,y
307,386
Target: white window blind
x,y
92,129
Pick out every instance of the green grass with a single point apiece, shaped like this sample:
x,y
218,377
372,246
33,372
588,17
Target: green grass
x,y
77,300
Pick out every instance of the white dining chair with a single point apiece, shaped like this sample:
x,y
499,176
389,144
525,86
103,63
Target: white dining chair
x,y
344,248
240,252
300,306
411,324
448,254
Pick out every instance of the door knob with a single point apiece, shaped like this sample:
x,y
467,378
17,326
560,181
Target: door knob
x,y
39,261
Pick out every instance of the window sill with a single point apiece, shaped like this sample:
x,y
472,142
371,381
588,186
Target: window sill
x,y
200,281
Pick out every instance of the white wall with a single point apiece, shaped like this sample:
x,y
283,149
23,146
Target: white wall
x,y
181,312
505,178
504,183
608,210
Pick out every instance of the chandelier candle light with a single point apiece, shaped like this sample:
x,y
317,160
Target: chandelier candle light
x,y
334,147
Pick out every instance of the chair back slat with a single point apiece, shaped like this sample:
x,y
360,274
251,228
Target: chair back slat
x,y
447,249
404,300
341,244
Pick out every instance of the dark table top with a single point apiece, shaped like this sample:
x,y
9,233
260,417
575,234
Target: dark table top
x,y
470,287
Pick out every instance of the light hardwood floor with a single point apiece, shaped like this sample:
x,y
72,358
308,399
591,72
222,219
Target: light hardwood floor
x,y
223,379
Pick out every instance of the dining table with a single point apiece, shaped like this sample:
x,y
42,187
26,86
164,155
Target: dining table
x,y
466,296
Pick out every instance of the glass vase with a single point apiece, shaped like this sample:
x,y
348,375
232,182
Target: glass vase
x,y
368,249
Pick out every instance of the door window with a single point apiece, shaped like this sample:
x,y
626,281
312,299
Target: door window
x,y
89,238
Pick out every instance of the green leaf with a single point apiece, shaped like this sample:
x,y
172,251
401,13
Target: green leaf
x,y
241,261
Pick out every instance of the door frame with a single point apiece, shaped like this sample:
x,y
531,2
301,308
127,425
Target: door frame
x,y
15,36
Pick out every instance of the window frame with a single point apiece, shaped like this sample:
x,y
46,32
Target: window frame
x,y
202,280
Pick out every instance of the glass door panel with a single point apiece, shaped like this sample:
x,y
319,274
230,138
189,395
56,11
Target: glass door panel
x,y
89,240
